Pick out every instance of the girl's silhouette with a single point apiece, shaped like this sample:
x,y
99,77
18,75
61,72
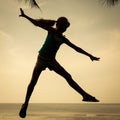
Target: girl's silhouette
x,y
46,57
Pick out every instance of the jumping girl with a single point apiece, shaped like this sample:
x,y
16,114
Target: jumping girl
x,y
46,57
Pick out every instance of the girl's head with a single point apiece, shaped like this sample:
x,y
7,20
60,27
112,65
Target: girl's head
x,y
62,24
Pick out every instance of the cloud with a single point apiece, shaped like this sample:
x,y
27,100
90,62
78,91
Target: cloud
x,y
5,35
6,46
6,42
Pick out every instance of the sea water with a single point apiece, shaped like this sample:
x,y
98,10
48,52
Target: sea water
x,y
55,111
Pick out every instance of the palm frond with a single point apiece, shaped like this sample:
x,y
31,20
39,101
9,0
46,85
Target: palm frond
x,y
110,2
32,3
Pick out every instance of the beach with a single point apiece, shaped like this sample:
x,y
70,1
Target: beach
x,y
62,112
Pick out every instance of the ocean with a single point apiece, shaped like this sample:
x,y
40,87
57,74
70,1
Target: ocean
x,y
55,111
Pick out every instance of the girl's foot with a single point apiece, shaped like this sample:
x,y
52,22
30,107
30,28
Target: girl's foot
x,y
89,98
22,112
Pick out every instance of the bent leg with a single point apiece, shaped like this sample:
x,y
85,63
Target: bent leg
x,y
86,97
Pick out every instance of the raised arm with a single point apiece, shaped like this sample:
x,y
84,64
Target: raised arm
x,y
78,49
45,24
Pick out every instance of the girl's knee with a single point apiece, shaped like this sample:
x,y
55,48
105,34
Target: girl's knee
x,y
68,77
69,80
32,84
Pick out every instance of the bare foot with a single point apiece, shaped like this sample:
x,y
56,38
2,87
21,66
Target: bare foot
x,y
89,98
22,112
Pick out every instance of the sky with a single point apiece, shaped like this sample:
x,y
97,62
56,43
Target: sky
x,y
94,27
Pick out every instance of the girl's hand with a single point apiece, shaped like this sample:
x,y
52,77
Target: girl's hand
x,y
94,58
22,13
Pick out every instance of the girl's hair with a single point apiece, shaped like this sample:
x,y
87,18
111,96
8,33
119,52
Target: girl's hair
x,y
63,21
47,22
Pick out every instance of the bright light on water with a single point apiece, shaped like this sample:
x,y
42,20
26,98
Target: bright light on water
x,y
62,111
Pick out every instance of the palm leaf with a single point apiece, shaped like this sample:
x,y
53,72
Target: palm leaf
x,y
110,2
33,3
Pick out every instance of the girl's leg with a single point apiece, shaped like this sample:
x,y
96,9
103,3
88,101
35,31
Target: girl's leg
x,y
86,97
34,79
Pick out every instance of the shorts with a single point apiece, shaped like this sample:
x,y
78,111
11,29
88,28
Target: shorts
x,y
44,62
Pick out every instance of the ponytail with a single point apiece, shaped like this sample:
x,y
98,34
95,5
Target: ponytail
x,y
46,22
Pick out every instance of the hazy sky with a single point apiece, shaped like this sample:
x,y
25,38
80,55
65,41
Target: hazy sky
x,y
94,27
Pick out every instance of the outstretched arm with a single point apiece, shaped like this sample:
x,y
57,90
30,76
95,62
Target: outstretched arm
x,y
27,17
41,23
78,49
